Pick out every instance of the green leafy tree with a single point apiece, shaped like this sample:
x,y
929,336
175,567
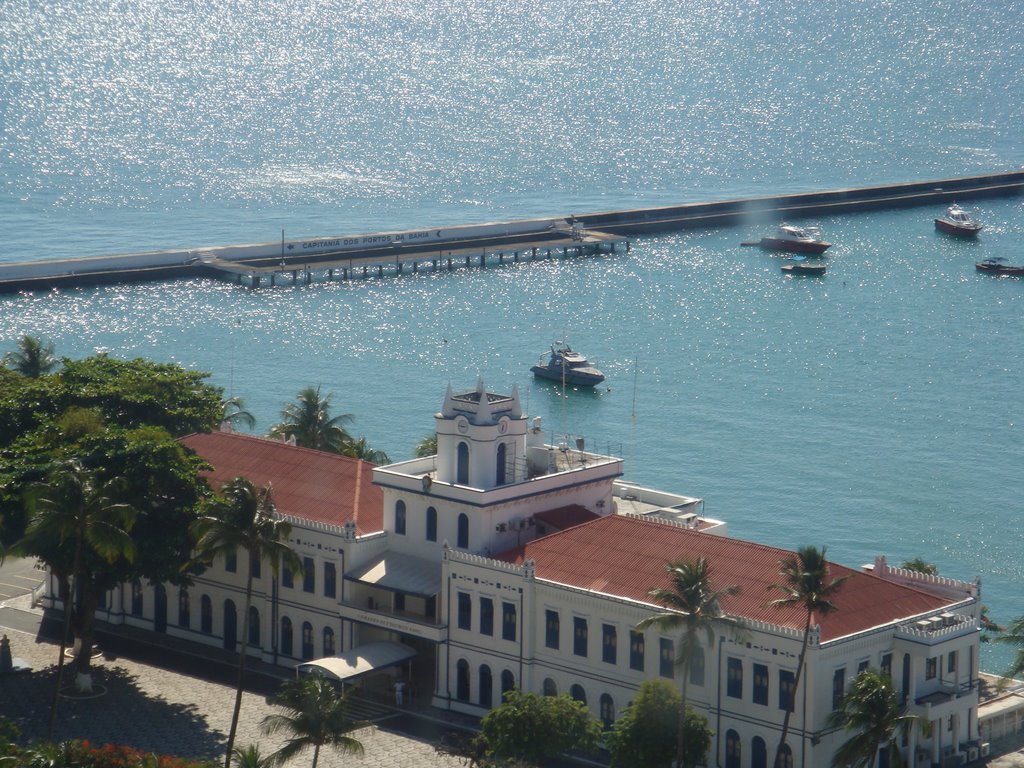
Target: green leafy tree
x,y
73,514
309,422
694,609
427,446
316,716
233,411
807,586
243,517
1013,634
871,709
360,449
33,357
645,736
530,727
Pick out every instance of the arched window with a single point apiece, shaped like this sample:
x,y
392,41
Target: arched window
x,y
550,687
206,614
286,636
400,517
577,693
231,625
328,641
508,683
254,626
462,465
499,474
307,641
787,757
486,687
136,598
758,753
732,749
431,524
607,711
463,533
184,608
462,680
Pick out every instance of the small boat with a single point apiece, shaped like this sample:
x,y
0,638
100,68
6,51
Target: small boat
x,y
799,266
957,222
793,239
568,366
998,266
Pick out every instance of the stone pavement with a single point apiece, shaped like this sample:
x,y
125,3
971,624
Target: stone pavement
x,y
165,711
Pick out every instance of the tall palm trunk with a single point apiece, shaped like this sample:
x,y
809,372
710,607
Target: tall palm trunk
x,y
86,621
316,754
241,669
796,685
66,587
681,735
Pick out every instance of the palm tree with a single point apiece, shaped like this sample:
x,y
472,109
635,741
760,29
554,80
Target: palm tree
x,y
1013,634
32,358
70,516
250,757
427,446
244,517
316,716
920,565
871,708
234,413
693,606
806,585
360,449
309,421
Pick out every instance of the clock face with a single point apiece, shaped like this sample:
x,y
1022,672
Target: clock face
x,y
462,425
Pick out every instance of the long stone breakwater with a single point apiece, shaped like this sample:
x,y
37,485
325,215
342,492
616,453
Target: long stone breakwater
x,y
409,251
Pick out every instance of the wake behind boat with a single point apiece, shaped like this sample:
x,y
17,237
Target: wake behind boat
x,y
793,239
568,366
957,222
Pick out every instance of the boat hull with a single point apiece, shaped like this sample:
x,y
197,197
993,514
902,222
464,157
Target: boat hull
x,y
999,269
804,269
960,230
575,378
813,247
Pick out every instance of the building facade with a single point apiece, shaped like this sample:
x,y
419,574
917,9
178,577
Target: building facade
x,y
513,559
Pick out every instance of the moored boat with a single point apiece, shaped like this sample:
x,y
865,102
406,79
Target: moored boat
x,y
957,222
567,366
792,239
998,266
803,267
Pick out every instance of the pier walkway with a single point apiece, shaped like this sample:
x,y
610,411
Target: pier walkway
x,y
408,252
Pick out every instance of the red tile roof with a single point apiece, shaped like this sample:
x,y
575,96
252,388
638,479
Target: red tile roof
x,y
312,485
626,557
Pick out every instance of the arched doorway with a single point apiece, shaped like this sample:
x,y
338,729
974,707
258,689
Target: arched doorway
x,y
230,625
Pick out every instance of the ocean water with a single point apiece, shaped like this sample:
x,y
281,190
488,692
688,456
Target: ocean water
x,y
873,411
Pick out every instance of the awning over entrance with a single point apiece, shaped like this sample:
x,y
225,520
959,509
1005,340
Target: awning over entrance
x,y
359,661
401,573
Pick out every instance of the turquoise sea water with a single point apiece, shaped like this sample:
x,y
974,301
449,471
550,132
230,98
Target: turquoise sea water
x,y
874,411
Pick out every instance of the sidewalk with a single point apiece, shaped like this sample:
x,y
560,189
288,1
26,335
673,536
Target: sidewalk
x,y
165,698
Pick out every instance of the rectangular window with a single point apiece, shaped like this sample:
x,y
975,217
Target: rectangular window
x,y
932,668
465,608
667,657
887,665
951,662
551,629
231,562
330,580
786,685
734,678
309,575
761,684
399,601
862,666
255,566
697,667
579,636
609,643
636,650
486,616
508,621
286,576
838,687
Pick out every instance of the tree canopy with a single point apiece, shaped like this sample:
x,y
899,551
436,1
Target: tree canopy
x,y
531,727
645,736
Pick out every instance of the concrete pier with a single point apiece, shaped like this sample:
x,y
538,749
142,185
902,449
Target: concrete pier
x,y
580,234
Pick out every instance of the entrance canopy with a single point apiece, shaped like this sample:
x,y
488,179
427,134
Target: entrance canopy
x,y
359,661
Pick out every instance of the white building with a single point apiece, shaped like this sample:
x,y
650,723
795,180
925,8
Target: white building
x,y
507,560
